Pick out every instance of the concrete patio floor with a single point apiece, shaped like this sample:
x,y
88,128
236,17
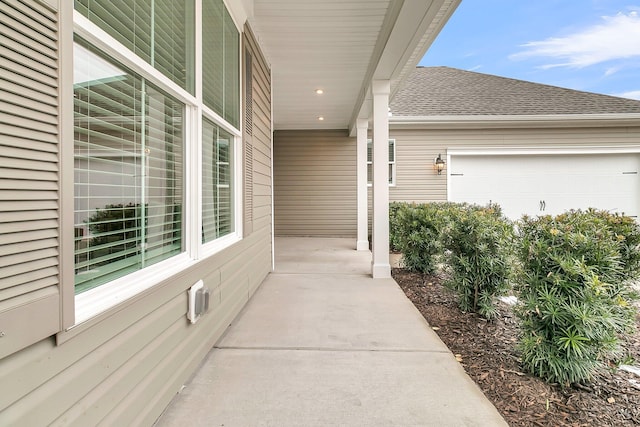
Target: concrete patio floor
x,y
323,344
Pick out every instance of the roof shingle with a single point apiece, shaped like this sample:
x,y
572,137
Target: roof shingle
x,y
445,91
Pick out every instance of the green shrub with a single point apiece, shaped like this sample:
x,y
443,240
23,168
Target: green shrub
x,y
627,234
417,236
394,234
479,255
574,297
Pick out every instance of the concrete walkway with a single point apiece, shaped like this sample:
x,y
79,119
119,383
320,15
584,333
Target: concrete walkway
x,y
323,344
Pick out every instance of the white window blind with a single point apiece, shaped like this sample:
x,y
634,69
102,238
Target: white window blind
x,y
221,61
161,32
217,175
128,171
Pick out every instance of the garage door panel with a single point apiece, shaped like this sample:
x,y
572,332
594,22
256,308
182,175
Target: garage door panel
x,y
547,184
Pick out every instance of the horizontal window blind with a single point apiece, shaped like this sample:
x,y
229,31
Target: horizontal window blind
x,y
221,61
161,32
217,195
128,171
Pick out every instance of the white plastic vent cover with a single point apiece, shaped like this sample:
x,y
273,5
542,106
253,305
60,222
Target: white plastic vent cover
x,y
198,301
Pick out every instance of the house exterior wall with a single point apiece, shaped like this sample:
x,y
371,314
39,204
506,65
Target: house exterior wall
x,y
315,184
123,366
416,149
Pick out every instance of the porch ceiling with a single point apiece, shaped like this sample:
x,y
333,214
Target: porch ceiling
x,y
339,46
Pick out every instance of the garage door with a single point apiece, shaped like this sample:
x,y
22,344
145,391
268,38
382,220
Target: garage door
x,y
547,184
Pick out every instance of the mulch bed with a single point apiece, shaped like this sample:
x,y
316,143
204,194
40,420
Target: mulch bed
x,y
487,352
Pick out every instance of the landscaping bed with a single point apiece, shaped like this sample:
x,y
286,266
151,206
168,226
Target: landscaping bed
x,y
486,349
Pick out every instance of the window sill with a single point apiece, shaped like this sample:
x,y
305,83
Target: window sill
x,y
93,306
98,300
218,245
93,302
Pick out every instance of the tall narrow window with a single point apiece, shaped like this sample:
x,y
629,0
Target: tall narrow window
x,y
392,161
161,32
217,182
128,171
221,61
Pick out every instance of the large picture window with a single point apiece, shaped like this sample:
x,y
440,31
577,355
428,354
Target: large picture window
x,y
128,171
140,210
392,162
161,32
217,182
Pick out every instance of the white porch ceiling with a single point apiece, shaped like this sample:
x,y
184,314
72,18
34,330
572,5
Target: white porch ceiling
x,y
339,46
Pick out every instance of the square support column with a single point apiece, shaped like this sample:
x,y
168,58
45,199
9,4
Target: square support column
x,y
380,266
362,243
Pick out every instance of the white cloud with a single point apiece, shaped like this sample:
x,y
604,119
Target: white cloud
x,y
634,94
618,37
610,71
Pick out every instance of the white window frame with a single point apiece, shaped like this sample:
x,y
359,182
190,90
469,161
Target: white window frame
x,y
392,163
91,303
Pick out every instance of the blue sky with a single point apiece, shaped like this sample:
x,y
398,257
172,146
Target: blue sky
x,y
590,45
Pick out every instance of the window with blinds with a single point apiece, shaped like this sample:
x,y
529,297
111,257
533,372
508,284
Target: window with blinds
x,y
392,161
161,32
128,170
221,61
217,175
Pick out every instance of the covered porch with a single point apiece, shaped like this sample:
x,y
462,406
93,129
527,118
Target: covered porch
x,y
320,344
335,66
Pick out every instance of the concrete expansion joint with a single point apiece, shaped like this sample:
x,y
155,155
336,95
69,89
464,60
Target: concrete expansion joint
x,y
334,349
326,273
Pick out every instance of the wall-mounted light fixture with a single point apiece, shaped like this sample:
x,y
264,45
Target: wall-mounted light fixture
x,y
438,164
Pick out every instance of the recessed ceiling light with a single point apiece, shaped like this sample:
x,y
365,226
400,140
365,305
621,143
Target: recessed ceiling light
x,y
319,91
321,118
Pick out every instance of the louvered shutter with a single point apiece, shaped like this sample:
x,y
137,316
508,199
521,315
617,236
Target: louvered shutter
x,y
248,141
29,197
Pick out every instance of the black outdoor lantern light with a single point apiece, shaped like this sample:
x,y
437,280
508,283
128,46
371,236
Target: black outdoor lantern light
x,y
439,164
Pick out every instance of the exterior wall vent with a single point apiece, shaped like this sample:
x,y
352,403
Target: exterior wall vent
x,y
198,301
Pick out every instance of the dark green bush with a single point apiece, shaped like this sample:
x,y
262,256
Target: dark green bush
x,y
394,235
479,255
627,234
574,297
417,236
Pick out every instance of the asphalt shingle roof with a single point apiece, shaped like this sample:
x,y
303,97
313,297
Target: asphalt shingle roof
x,y
445,91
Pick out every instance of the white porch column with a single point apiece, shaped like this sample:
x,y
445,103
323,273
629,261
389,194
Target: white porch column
x,y
380,266
363,217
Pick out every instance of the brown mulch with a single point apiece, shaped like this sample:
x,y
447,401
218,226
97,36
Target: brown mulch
x,y
487,352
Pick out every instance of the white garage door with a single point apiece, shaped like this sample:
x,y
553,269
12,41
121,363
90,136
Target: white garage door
x,y
547,184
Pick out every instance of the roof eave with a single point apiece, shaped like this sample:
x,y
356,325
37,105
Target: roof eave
x,y
414,27
516,121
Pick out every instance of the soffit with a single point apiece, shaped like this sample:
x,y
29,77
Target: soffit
x,y
339,46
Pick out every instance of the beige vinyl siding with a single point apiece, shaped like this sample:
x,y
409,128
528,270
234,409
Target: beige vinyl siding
x,y
315,184
257,134
417,181
29,196
124,366
315,188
